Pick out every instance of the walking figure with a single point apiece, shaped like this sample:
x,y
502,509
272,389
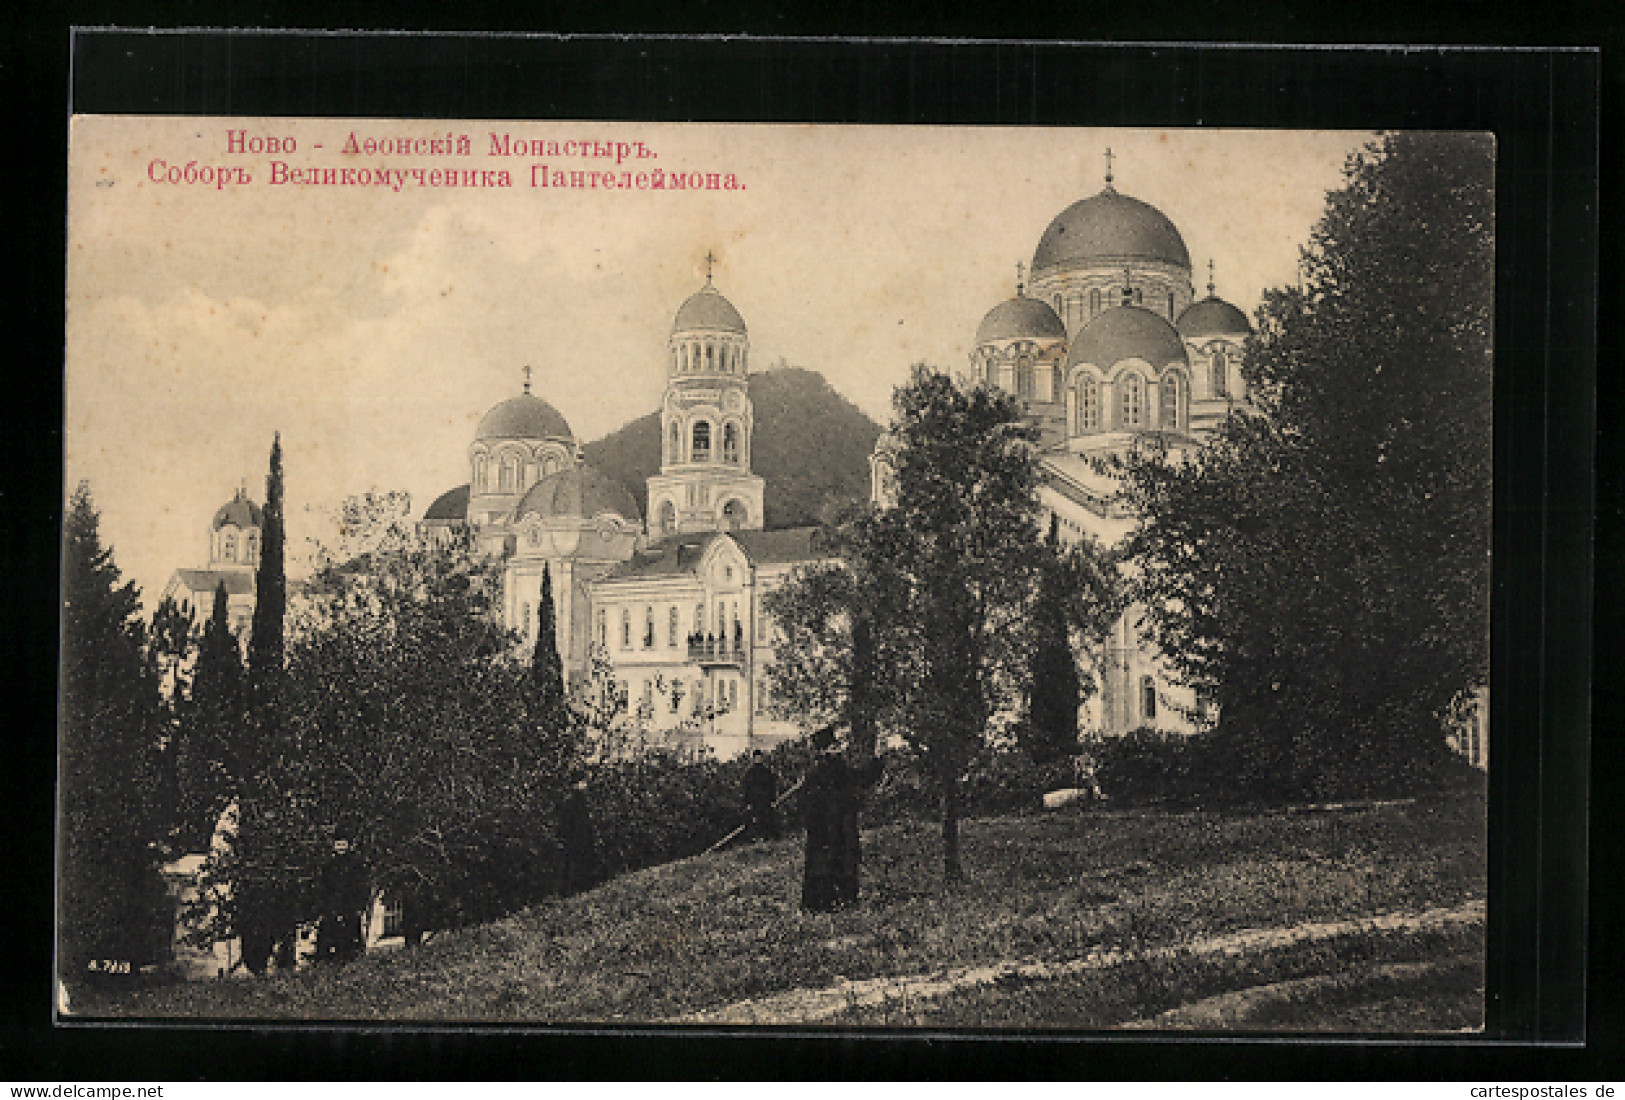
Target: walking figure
x,y
830,799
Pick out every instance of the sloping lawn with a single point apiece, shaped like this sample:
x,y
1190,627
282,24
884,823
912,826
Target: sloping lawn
x,y
711,931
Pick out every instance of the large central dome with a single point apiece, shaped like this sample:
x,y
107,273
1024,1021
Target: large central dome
x,y
708,311
524,417
1109,229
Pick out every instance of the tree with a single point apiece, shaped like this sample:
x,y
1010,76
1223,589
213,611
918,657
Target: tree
x,y
260,890
923,626
1322,568
171,646
546,668
108,888
1055,690
207,764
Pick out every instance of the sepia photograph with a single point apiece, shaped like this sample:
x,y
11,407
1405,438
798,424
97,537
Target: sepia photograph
x,y
579,573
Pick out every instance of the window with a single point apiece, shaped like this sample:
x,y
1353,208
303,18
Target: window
x,y
1148,698
710,357
648,628
1170,305
526,627
1221,373
699,618
761,696
1024,378
648,697
1094,302
228,546
761,625
626,630
733,518
701,449
1088,405
730,443
1132,400
675,453
479,473
671,628
1168,411
602,630
668,518
251,546
394,919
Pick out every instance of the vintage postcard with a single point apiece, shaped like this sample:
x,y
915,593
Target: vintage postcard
x,y
582,573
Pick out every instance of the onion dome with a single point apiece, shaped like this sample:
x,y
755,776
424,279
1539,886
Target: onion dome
x,y
1212,316
580,492
238,512
1127,332
451,505
708,311
1020,318
524,417
1109,229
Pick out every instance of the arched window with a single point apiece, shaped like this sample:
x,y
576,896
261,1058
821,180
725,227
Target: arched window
x,y
668,518
733,516
730,443
1148,698
1168,411
251,547
1088,405
1094,302
1221,373
228,546
1024,378
1132,401
626,630
701,449
1170,305
506,474
648,628
710,357
671,628
479,473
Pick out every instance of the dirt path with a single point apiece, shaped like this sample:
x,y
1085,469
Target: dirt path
x,y
811,1006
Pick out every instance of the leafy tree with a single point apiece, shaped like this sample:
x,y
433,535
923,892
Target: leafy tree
x,y
1322,568
108,888
924,626
1052,710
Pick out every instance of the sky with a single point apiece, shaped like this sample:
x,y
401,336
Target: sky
x,y
373,327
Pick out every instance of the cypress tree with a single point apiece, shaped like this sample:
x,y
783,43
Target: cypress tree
x,y
546,669
108,885
207,756
1052,711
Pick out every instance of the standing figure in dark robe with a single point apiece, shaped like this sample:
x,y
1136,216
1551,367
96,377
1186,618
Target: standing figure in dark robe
x,y
579,865
343,887
760,788
830,799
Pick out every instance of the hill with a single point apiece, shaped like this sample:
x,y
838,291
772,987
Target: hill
x,y
810,445
1359,918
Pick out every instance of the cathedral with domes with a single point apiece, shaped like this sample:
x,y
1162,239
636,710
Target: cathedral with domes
x,y
1110,346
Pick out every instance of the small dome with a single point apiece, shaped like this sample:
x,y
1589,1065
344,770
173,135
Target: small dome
x,y
708,311
524,417
1212,316
450,505
1020,318
1127,332
1109,229
239,512
582,491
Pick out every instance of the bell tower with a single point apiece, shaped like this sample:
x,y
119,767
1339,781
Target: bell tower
x,y
706,419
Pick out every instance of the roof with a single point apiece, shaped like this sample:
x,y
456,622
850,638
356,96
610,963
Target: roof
x,y
524,417
1020,318
682,555
451,506
581,490
708,311
239,582
1212,316
1109,228
239,511
1127,332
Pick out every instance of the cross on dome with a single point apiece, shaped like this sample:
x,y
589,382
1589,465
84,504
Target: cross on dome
x,y
527,379
709,260
1020,268
1210,278
1108,166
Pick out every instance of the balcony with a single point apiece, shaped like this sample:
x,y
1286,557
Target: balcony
x,y
713,652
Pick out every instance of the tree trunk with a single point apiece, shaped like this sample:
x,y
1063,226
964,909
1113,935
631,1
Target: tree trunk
x,y
952,872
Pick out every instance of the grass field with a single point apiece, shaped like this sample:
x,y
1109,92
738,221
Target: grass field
x,y
1139,888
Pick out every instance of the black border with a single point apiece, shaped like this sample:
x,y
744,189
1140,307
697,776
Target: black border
x,y
1544,108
